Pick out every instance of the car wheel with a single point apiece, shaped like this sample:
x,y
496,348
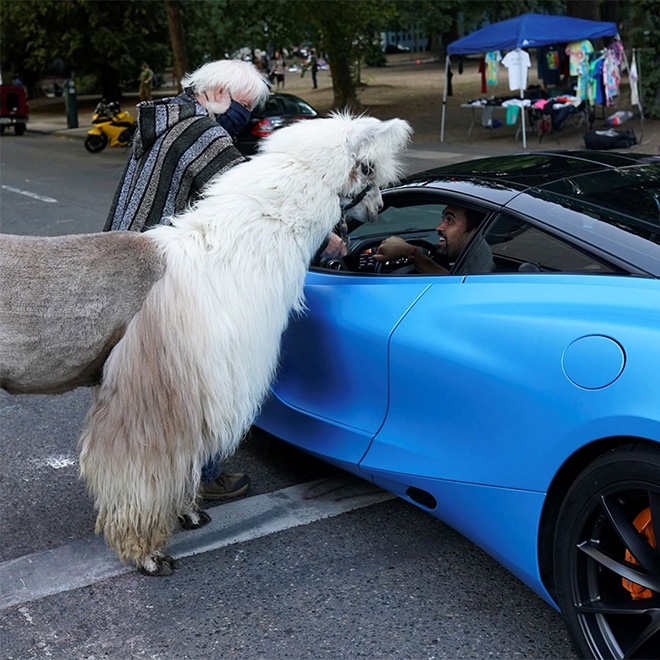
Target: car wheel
x,y
95,143
19,129
607,563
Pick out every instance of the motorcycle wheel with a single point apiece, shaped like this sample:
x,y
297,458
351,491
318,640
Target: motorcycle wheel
x,y
96,143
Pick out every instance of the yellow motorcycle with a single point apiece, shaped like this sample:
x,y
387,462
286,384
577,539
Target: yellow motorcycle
x,y
111,125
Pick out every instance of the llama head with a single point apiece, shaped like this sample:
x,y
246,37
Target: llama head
x,y
354,156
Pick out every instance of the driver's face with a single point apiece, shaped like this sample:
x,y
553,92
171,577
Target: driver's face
x,y
452,232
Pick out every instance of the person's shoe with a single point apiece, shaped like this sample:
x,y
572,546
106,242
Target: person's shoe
x,y
225,487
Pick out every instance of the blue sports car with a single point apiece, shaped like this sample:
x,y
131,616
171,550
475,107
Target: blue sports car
x,y
489,350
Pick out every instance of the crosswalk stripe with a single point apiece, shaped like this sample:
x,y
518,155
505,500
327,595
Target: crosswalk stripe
x,y
87,561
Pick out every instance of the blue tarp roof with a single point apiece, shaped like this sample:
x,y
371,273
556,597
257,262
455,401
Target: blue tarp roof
x,y
530,31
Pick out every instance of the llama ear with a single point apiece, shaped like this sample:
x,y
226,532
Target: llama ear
x,y
396,133
392,134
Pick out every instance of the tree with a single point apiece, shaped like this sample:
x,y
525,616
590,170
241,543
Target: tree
x,y
175,28
107,40
344,31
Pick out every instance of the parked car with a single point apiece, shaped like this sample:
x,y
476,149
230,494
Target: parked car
x,y
393,49
278,111
519,404
13,108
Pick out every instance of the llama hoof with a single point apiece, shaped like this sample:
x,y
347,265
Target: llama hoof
x,y
158,566
194,519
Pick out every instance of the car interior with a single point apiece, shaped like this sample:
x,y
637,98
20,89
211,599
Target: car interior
x,y
517,245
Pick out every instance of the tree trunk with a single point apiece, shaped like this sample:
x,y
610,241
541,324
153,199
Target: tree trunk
x,y
343,86
175,27
110,83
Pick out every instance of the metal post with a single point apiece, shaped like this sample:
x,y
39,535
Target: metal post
x,y
444,101
70,101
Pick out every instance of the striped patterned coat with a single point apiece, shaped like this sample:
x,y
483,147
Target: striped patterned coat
x,y
177,149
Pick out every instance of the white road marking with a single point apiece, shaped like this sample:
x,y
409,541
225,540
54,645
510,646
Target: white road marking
x,y
89,560
59,462
27,193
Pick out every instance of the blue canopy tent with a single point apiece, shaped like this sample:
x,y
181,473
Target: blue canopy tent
x,y
525,31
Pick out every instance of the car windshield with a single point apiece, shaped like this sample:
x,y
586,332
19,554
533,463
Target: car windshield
x,y
400,220
627,198
280,104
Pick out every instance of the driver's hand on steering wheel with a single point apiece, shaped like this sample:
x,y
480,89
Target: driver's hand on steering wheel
x,y
393,248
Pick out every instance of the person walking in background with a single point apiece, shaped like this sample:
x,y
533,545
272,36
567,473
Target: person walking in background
x,y
314,68
146,80
180,144
279,69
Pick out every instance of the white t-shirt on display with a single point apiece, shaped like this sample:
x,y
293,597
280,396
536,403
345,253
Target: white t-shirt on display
x,y
517,62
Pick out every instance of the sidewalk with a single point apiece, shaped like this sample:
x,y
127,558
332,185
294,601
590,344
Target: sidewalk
x,y
407,88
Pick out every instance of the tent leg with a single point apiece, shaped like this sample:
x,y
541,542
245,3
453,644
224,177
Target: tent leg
x,y
522,118
444,101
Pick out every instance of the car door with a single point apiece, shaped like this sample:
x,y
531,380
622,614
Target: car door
x,y
332,388
554,341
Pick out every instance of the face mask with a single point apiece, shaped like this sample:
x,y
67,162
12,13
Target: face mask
x,y
235,119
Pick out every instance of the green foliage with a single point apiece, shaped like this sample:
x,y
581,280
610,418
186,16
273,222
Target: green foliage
x,y
645,35
104,39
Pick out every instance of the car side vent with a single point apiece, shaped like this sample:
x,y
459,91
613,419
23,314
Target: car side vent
x,y
421,497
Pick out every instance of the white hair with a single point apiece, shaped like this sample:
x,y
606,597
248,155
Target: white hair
x,y
231,75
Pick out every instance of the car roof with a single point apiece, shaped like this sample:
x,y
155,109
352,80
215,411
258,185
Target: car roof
x,y
526,170
598,198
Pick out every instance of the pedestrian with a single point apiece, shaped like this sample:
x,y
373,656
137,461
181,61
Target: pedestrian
x,y
279,69
314,67
146,79
180,144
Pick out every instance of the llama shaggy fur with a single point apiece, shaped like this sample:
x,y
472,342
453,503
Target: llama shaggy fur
x,y
185,320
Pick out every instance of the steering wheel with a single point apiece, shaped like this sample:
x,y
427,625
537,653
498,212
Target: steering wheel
x,y
391,267
331,263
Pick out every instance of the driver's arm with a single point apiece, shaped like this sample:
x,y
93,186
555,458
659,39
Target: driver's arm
x,y
393,248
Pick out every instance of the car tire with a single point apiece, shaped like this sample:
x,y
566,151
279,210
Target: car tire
x,y
96,143
600,519
19,129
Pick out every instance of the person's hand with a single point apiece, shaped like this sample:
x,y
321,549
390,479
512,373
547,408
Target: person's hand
x,y
336,248
393,248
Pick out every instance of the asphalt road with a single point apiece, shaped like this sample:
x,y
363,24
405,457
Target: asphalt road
x,y
383,580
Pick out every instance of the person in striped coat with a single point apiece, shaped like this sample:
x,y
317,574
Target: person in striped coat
x,y
180,144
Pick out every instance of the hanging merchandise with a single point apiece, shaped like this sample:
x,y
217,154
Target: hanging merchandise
x,y
493,59
634,76
482,71
595,89
517,62
612,72
579,53
548,65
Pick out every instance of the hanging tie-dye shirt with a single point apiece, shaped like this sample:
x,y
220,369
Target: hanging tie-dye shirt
x,y
579,53
493,59
612,72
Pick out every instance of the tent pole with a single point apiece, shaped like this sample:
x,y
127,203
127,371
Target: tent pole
x,y
522,116
444,101
639,95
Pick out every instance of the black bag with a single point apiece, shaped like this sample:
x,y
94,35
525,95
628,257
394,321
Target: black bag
x,y
610,139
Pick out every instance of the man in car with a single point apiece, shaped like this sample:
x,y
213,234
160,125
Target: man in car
x,y
457,228
180,144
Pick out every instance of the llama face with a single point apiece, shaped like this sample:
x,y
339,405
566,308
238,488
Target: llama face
x,y
365,201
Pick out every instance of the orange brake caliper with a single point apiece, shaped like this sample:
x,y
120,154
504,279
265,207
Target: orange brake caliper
x,y
643,524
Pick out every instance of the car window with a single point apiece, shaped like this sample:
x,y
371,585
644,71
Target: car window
x,y
400,220
270,108
518,246
296,107
628,198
